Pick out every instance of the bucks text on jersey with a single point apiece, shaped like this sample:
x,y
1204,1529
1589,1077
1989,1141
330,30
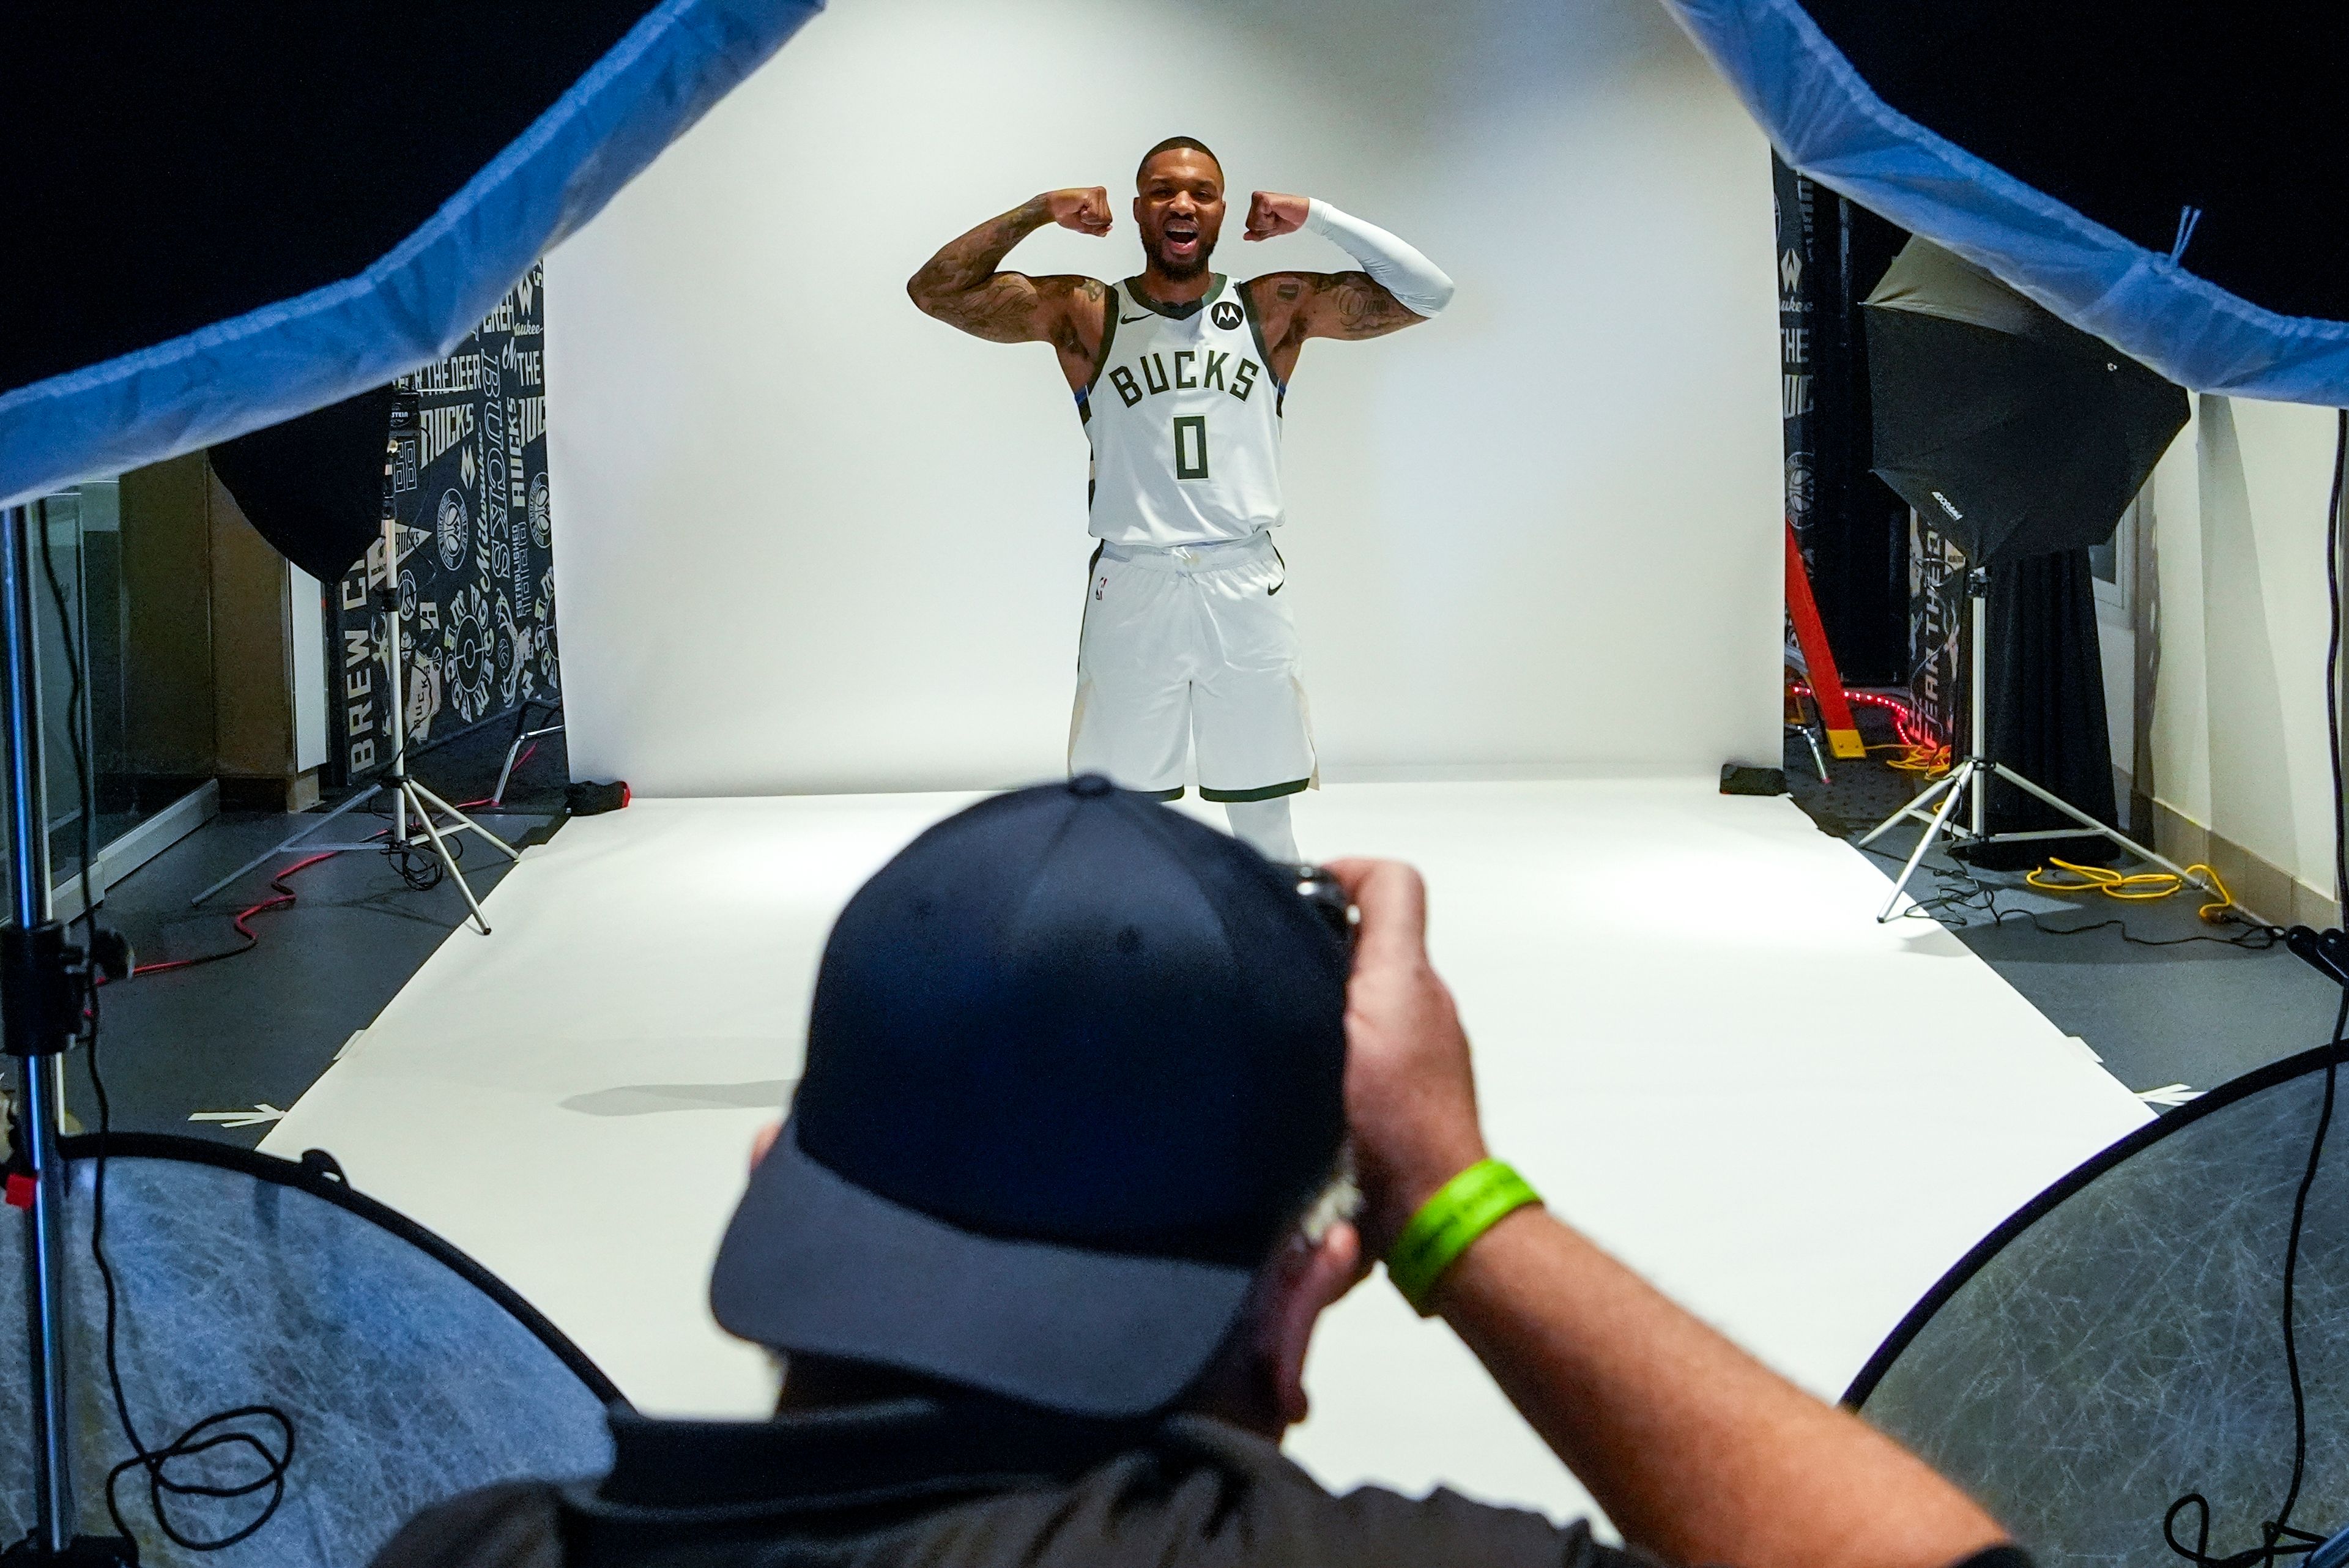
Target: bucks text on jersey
x,y
1183,415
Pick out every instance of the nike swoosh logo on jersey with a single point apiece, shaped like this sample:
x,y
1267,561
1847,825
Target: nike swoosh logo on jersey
x,y
1277,588
1130,321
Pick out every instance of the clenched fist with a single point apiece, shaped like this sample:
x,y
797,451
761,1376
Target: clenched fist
x,y
1084,208
1272,215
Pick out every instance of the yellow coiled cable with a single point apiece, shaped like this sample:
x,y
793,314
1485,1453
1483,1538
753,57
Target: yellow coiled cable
x,y
2135,885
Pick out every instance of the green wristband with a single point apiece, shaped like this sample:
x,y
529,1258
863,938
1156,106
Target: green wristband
x,y
1464,1209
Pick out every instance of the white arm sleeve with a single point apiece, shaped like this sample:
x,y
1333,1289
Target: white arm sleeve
x,y
1418,283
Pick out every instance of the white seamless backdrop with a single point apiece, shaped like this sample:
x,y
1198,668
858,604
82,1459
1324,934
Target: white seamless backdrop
x,y
810,540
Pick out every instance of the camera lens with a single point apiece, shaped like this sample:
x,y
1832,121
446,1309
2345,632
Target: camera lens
x,y
1328,897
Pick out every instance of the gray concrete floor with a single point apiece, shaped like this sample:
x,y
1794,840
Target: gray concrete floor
x,y
258,1029
2197,1012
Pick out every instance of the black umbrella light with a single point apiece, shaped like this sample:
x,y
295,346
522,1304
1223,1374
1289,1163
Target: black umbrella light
x,y
2166,178
2010,432
231,213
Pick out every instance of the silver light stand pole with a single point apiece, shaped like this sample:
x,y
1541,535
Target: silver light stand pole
x,y
43,989
407,794
1970,781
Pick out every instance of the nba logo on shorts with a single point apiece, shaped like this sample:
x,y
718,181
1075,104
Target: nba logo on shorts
x,y
1100,584
1227,315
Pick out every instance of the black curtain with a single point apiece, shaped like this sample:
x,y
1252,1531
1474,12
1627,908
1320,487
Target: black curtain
x,y
2047,719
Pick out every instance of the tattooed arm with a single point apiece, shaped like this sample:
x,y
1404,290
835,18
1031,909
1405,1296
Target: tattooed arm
x,y
960,285
1400,288
1295,305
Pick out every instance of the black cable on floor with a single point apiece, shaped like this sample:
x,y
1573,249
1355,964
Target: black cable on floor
x,y
2278,1538
1963,891
214,1431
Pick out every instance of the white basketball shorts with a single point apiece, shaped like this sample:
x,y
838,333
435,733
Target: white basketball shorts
x,y
1190,648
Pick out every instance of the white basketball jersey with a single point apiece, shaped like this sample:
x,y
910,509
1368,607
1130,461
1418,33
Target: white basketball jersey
x,y
1184,419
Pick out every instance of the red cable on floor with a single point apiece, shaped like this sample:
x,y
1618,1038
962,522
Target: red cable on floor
x,y
252,938
285,896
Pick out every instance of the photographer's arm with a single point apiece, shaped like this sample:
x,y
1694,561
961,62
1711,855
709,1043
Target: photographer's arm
x,y
1695,1450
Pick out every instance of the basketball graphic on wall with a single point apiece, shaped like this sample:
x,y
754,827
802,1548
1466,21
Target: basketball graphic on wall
x,y
469,645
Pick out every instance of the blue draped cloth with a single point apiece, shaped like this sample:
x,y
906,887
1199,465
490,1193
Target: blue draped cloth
x,y
417,302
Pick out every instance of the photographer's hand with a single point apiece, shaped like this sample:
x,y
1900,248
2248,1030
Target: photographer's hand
x,y
1411,1097
1695,1450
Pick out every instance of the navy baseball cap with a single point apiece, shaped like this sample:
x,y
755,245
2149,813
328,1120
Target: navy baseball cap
x,y
1075,1064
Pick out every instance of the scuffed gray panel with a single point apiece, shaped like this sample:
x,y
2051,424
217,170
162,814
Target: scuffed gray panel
x,y
2127,1348
406,1383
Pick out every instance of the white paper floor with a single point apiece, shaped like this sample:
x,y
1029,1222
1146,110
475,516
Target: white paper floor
x,y
1691,1033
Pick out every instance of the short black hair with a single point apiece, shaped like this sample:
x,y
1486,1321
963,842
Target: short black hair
x,y
1169,145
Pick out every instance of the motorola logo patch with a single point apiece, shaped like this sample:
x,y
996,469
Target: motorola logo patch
x,y
1227,315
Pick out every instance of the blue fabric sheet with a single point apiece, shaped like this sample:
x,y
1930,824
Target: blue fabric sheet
x,y
417,302
1826,121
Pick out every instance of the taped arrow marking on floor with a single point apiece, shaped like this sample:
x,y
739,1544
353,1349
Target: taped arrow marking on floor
x,y
260,1114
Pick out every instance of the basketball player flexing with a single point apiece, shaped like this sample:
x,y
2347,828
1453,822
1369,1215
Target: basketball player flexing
x,y
1180,375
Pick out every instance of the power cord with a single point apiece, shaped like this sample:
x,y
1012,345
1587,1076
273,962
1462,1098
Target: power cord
x,y
214,1431
1962,892
2278,1537
2062,876
283,897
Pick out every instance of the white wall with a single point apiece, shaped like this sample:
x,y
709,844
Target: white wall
x,y
812,540
2237,736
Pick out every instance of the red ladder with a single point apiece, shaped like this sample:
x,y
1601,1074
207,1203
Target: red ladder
x,y
1826,684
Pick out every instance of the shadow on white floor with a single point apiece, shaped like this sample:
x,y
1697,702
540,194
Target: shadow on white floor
x,y
1691,1034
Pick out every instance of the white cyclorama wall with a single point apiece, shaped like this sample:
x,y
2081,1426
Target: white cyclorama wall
x,y
2239,741
814,541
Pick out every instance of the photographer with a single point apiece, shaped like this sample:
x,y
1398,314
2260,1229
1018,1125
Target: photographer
x,y
1045,1240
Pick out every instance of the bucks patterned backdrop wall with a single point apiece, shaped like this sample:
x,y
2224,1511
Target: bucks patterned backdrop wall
x,y
468,489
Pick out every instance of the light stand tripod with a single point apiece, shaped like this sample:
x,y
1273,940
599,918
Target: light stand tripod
x,y
1970,781
45,986
407,794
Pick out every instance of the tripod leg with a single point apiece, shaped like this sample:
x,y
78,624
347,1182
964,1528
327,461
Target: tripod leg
x,y
2101,830
1914,808
462,821
447,860
498,796
1960,782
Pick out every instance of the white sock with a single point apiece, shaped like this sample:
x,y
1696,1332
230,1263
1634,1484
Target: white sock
x,y
1264,823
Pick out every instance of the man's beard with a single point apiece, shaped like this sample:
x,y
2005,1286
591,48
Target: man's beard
x,y
1183,271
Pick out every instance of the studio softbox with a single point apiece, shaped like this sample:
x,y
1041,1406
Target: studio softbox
x,y
2165,178
2012,433
230,213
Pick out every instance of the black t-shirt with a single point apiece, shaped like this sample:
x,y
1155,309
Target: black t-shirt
x,y
970,1485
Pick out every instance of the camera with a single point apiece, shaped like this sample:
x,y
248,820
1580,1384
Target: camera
x,y
1328,898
